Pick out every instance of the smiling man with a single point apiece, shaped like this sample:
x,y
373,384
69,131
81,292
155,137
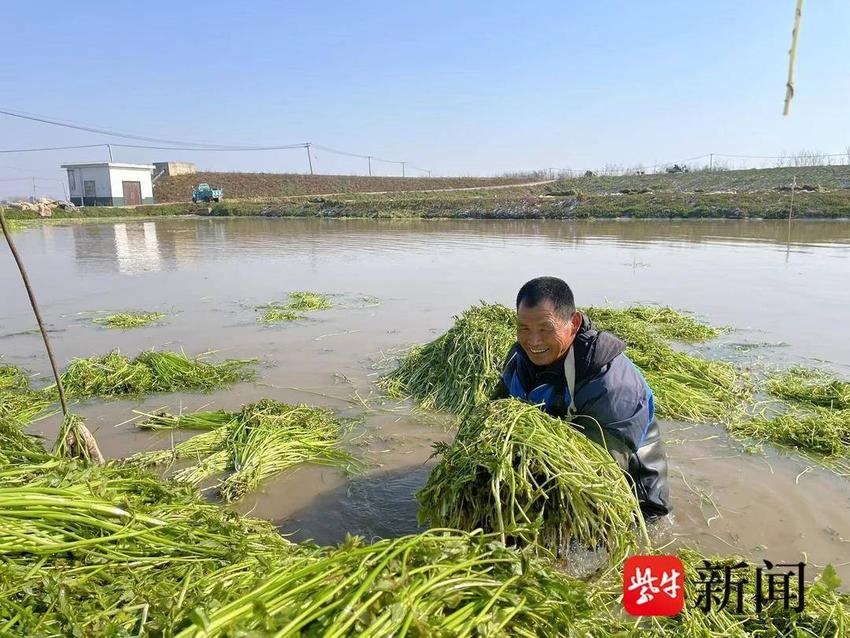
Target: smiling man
x,y
575,372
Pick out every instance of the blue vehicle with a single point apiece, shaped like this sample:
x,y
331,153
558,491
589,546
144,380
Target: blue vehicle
x,y
204,193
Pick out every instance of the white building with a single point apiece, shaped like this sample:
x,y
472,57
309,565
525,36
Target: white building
x,y
110,184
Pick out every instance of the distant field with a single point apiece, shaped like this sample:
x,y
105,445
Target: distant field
x,y
824,177
273,185
823,193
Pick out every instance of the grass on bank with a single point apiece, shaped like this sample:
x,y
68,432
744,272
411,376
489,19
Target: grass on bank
x,y
151,371
515,470
127,320
301,301
263,440
637,202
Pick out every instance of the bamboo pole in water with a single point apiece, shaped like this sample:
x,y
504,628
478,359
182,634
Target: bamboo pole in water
x,y
89,440
792,58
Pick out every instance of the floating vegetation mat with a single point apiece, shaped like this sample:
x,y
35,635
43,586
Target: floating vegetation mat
x,y
811,387
661,322
460,369
822,430
263,440
151,371
307,301
113,550
188,420
276,313
686,387
813,418
18,400
515,470
128,320
821,434
12,379
299,302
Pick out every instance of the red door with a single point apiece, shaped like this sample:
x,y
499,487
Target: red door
x,y
132,193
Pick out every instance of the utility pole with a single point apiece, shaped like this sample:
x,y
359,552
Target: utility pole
x,y
402,168
309,159
429,173
34,198
370,165
711,161
109,147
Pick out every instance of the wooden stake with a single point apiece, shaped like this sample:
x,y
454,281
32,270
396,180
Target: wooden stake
x,y
89,440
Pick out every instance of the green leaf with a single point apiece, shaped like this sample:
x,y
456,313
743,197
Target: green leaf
x,y
199,618
830,578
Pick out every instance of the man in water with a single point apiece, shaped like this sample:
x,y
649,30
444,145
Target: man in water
x,y
561,362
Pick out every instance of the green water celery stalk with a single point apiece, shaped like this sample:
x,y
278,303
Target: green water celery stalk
x,y
439,583
186,420
114,550
532,478
302,301
127,320
18,400
263,440
151,371
686,387
459,370
810,387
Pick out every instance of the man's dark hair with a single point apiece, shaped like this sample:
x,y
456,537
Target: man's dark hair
x,y
556,290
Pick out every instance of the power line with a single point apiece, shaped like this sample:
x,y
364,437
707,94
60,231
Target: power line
x,y
226,149
780,156
373,157
30,177
131,136
50,148
174,145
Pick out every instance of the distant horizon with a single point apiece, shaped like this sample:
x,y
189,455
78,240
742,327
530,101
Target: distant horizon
x,y
459,90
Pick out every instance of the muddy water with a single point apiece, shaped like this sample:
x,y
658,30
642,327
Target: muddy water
x,y
787,297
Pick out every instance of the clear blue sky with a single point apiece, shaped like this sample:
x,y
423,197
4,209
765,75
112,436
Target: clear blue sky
x,y
472,88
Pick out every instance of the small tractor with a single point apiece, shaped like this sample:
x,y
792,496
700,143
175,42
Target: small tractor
x,y
205,193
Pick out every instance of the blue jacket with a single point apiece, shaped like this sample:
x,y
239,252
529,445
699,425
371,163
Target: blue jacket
x,y
612,403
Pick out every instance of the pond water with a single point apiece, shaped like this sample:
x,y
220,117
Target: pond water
x,y
400,282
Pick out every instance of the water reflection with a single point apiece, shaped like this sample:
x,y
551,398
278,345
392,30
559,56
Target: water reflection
x,y
135,253
151,246
134,248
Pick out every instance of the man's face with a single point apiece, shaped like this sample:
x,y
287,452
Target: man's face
x,y
543,333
